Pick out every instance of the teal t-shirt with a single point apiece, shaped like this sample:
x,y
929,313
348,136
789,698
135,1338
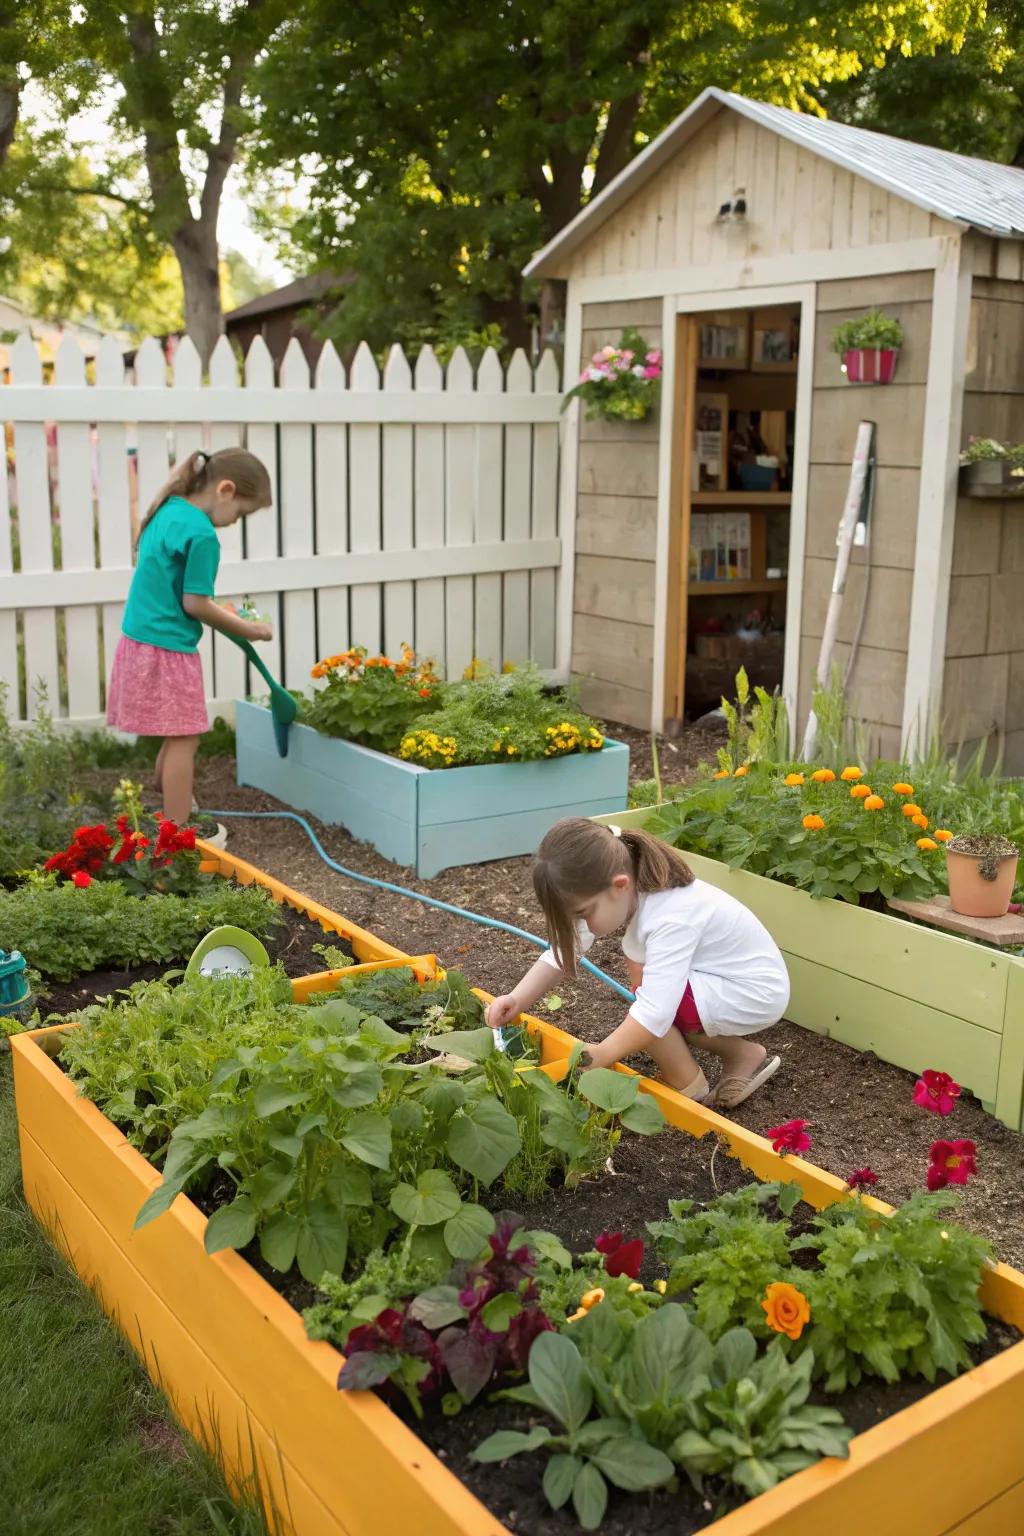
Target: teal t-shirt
x,y
179,552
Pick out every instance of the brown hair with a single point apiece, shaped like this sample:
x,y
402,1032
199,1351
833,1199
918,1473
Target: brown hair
x,y
579,859
201,469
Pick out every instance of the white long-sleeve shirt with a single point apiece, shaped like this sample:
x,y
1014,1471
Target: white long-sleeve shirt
x,y
700,935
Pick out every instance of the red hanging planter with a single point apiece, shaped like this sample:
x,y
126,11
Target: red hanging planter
x,y
870,365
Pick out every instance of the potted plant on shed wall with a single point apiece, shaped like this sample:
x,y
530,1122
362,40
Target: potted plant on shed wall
x,y
869,346
991,468
981,871
620,383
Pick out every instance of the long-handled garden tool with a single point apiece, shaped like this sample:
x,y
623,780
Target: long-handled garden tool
x,y
283,708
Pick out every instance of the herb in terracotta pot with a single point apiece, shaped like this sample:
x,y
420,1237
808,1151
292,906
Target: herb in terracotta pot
x,y
868,347
981,870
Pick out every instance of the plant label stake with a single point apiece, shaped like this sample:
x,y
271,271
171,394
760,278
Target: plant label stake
x,y
853,527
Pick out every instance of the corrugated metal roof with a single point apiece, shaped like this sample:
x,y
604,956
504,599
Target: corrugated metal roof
x,y
974,193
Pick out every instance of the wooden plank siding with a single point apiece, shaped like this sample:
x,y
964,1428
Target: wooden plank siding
x,y
983,692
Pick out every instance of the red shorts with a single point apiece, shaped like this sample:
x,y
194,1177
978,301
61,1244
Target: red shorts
x,y
687,1018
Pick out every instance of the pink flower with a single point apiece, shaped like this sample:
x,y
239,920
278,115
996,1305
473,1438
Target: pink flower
x,y
862,1178
653,357
620,1258
652,371
936,1092
791,1136
951,1162
627,354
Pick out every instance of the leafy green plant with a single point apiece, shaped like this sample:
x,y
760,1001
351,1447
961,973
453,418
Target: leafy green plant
x,y
40,801
727,1254
397,997
334,959
64,932
757,725
500,717
894,1296
387,1279
587,1453
873,329
370,699
755,1426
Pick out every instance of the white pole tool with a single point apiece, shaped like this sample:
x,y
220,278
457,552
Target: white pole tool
x,y
852,530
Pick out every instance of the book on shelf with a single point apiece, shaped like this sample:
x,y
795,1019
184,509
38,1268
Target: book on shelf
x,y
719,546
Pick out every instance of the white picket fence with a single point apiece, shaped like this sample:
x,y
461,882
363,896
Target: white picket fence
x,y
418,507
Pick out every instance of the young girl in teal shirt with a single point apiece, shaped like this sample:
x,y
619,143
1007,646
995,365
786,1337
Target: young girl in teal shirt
x,y
156,683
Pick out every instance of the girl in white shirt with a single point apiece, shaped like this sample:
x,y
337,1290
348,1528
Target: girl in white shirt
x,y
704,970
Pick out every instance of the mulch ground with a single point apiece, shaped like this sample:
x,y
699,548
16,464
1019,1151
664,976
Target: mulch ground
x,y
860,1108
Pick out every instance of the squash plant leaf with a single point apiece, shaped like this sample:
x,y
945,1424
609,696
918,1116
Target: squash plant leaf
x,y
483,1138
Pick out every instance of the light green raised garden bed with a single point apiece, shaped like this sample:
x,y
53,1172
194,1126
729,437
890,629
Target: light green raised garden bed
x,y
914,997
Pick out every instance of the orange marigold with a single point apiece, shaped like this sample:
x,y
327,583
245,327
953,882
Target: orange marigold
x,y
823,776
722,773
861,791
910,809
943,834
813,823
787,1309
922,822
926,845
903,789
873,803
850,775
741,770
793,778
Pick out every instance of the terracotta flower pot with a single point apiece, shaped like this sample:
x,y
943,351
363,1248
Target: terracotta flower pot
x,y
870,365
981,873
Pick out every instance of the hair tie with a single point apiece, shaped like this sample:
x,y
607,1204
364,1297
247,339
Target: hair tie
x,y
201,453
614,830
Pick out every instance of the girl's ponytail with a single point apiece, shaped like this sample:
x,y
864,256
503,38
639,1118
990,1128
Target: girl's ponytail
x,y
248,475
578,859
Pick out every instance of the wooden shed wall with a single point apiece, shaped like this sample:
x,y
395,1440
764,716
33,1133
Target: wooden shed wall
x,y
984,673
879,673
796,201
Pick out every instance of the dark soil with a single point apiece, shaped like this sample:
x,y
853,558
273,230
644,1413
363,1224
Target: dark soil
x,y
290,942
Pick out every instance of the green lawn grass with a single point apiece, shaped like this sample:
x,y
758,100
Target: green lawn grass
x,y
88,1447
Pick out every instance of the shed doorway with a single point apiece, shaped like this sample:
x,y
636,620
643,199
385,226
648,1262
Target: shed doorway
x,y
735,466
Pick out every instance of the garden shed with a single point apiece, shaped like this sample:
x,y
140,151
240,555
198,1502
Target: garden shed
x,y
736,242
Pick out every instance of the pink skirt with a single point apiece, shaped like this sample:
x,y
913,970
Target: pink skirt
x,y
154,692
687,1019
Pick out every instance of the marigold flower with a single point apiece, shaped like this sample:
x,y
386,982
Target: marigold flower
x,y
424,693
591,1298
850,775
910,809
786,1309
791,1136
936,1092
661,1286
926,845
813,823
873,803
633,1286
861,791
943,834
743,769
793,778
922,822
862,1178
823,776
722,773
951,1162
574,1317
903,789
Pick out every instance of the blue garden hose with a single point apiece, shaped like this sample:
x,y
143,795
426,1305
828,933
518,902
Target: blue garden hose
x,y
427,901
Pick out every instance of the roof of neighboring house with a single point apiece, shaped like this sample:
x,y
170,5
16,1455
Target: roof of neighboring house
x,y
976,194
48,334
303,291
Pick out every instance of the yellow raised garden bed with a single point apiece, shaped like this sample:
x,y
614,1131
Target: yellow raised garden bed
x,y
235,1361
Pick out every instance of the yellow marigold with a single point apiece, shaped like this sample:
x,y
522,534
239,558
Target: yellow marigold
x,y
922,822
661,1286
813,823
591,1298
873,803
496,747
943,834
910,809
903,789
722,773
823,776
926,845
793,778
634,1286
861,791
575,1316
511,751
741,770
787,1309
852,774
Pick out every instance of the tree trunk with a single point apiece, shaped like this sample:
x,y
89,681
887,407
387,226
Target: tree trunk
x,y
196,250
9,92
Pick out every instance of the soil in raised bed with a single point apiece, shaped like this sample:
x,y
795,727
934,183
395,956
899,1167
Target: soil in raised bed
x,y
290,942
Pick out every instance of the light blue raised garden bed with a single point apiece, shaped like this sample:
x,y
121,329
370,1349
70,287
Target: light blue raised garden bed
x,y
430,819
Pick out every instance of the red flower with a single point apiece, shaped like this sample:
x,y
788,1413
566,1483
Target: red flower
x,y
81,879
862,1178
791,1136
951,1162
936,1092
620,1258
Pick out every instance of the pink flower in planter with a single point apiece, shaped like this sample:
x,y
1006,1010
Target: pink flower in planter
x,y
936,1092
652,371
862,1178
951,1162
791,1136
653,357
